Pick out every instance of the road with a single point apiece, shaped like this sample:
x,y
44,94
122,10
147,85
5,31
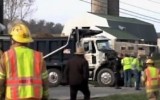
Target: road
x,y
62,92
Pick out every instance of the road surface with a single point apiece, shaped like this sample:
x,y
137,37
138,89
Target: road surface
x,y
62,92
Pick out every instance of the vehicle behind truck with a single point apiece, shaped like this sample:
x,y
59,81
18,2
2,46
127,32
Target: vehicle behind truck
x,y
58,50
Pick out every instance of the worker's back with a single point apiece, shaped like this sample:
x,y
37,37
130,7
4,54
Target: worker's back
x,y
23,72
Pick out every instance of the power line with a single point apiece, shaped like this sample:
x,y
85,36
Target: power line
x,y
134,12
139,14
140,8
154,1
100,1
93,4
133,6
150,18
140,17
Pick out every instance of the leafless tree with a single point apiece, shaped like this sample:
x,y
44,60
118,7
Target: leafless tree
x,y
20,9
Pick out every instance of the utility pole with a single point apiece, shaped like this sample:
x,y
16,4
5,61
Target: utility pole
x,y
1,11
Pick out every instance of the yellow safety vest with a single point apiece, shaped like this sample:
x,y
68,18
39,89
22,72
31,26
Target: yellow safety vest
x,y
126,62
23,73
137,64
152,79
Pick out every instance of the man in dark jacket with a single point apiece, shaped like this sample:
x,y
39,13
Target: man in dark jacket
x,y
77,74
117,68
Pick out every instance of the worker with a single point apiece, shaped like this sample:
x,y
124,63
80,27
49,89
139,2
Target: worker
x,y
126,62
132,56
77,74
117,68
144,64
23,74
137,66
151,78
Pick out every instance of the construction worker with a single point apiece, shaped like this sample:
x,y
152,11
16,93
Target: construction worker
x,y
23,74
151,79
126,62
137,65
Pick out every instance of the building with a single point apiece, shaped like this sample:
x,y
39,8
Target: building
x,y
125,34
107,7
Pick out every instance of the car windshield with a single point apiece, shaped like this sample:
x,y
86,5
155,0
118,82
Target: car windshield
x,y
103,45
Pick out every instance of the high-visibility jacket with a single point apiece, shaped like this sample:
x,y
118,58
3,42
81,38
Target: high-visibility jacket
x,y
126,62
152,79
137,64
131,58
23,73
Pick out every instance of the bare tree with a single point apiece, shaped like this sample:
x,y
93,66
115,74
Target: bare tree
x,y
20,9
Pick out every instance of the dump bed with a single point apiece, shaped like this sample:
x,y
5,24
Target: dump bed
x,y
46,46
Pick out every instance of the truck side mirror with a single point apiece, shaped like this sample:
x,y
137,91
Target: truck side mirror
x,y
2,27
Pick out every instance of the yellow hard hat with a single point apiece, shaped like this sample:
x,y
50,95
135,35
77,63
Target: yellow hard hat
x,y
149,61
20,33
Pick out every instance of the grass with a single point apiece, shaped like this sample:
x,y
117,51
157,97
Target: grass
x,y
140,96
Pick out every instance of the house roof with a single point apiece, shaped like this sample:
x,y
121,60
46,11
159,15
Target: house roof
x,y
119,33
138,28
122,19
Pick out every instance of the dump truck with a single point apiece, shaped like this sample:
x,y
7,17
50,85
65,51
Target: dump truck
x,y
58,50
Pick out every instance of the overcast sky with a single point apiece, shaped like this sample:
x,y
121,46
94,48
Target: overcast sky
x,y
59,11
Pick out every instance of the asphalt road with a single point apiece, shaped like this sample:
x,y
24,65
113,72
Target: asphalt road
x,y
62,92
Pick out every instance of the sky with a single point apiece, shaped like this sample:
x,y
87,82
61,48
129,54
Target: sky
x,y
60,11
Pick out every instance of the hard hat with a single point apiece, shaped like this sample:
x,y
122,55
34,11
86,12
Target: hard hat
x,y
149,61
20,33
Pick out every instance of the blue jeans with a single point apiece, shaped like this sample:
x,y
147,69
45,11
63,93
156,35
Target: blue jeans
x,y
137,76
127,77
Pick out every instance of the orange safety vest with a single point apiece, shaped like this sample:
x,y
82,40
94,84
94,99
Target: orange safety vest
x,y
23,73
152,79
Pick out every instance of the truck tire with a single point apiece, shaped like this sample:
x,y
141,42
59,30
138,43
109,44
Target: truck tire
x,y
54,77
105,77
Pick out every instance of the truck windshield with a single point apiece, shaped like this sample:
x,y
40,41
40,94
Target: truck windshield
x,y
103,45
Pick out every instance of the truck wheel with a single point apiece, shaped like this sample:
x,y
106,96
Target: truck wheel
x,y
54,77
105,77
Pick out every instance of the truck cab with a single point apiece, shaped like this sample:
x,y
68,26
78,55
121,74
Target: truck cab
x,y
101,59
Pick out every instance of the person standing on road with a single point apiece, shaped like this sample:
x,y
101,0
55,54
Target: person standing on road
x,y
144,64
137,66
117,68
151,79
77,74
23,74
126,62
